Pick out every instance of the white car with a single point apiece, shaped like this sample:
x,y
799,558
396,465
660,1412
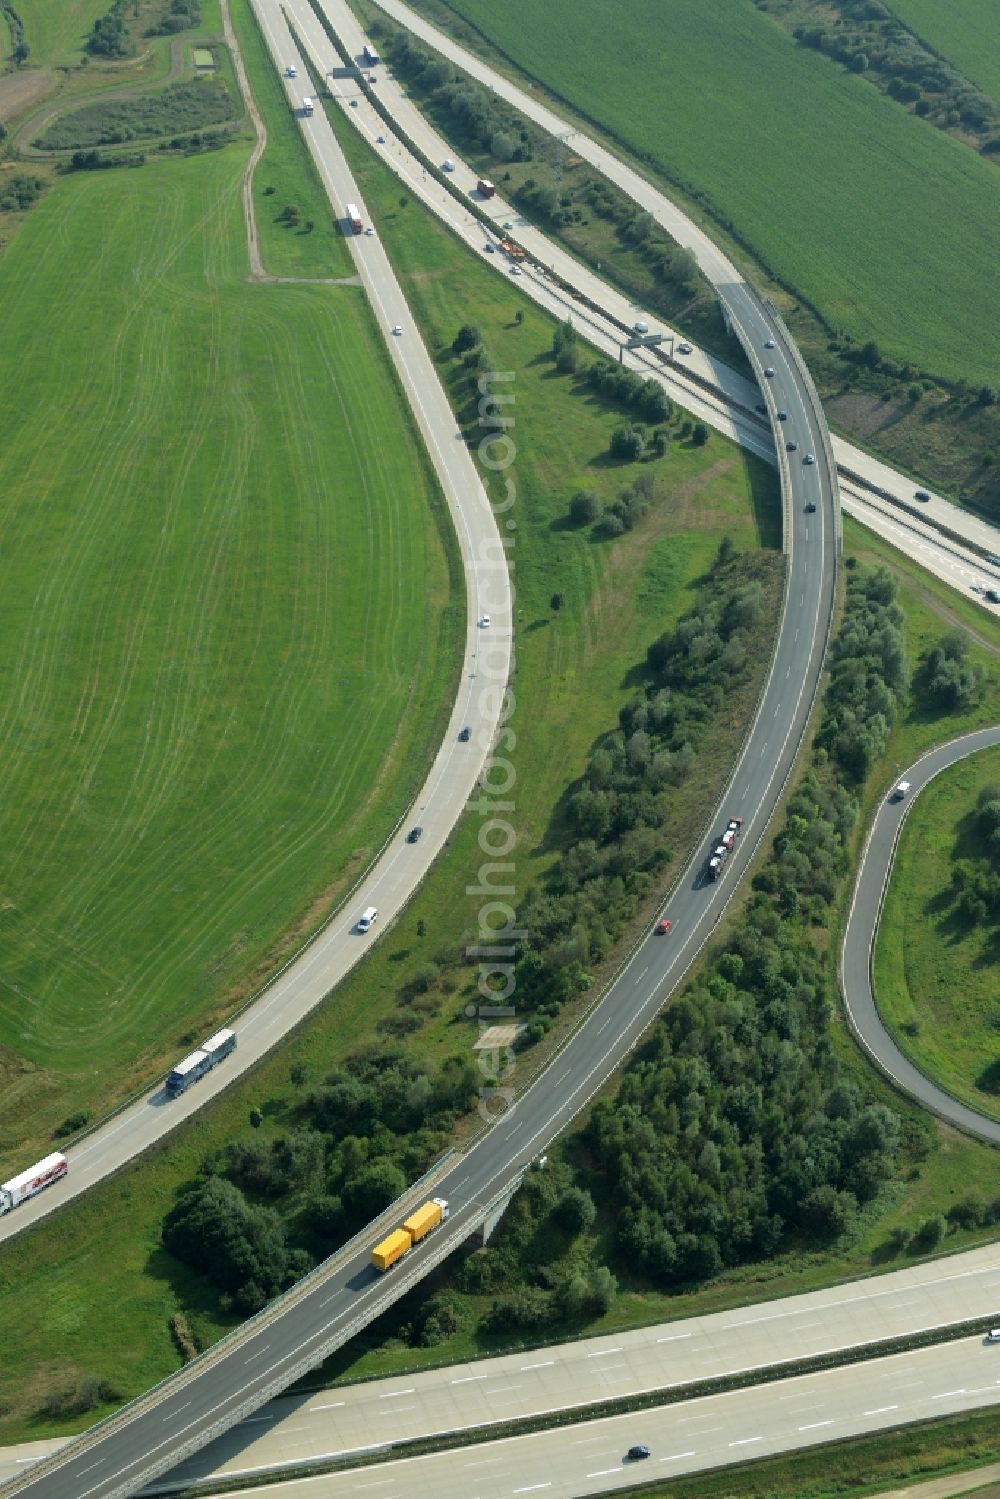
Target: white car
x,y
993,1336
515,270
769,343
508,223
448,166
290,70
397,330
683,348
640,327
369,230
484,623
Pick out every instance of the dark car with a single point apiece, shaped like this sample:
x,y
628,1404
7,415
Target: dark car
x,y
761,408
637,1453
413,836
810,506
922,496
993,595
782,416
465,734
791,446
662,927
769,372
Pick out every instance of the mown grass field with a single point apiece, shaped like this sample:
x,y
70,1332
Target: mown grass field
x,y
57,29
882,223
285,174
225,635
933,972
572,674
963,31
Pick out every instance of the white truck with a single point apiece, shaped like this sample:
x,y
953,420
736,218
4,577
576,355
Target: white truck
x,y
719,857
37,1177
307,106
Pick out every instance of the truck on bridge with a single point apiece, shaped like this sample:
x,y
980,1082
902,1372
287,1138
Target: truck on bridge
x,y
416,1227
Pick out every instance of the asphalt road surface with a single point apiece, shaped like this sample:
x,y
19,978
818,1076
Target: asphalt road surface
x,y
716,1431
862,928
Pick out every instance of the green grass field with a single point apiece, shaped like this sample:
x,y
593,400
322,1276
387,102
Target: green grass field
x,y
222,641
931,971
963,31
57,29
881,222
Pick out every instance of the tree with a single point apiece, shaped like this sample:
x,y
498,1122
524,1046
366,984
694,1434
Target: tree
x,y
466,338
584,507
627,444
575,1211
556,602
502,146
699,435
256,1118
421,929
375,1186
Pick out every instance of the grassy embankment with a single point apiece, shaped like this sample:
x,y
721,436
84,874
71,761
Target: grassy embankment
x,y
572,674
938,978
964,32
228,600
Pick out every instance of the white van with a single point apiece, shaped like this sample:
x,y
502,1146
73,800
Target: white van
x,y
367,917
290,70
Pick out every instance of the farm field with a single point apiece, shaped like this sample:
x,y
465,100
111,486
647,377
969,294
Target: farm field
x,y
963,31
57,29
226,633
881,223
937,977
573,671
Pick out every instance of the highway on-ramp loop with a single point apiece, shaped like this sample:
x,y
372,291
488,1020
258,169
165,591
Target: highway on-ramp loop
x,y
862,929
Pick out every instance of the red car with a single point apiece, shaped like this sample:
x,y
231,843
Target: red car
x,y
662,927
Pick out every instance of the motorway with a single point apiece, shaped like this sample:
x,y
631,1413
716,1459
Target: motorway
x,y
967,571
715,1431
862,930
240,1374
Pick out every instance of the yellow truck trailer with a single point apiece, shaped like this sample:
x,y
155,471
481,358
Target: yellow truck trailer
x,y
416,1227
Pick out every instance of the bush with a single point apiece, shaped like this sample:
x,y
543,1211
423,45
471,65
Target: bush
x,y
575,1211
584,507
931,1232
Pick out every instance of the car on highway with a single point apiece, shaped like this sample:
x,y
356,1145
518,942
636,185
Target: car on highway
x,y
397,330
993,1336
637,1453
484,623
662,927
899,791
992,557
769,372
448,165
791,446
290,71
992,595
369,230
922,496
508,223
354,103
413,836
465,734
380,139
367,919
782,416
640,327
515,270
810,506
808,459
490,249
769,343
683,348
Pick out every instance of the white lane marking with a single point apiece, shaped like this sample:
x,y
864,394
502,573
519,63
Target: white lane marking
x,y
547,1365
326,1301
257,1354
815,1425
484,1462
675,1337
602,1472
470,1378
93,1465
394,1394
603,1352
675,1457
880,1410
606,1024
250,1420
642,975
174,1414
332,1406
947,1394
746,1441
500,1389
532,1487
